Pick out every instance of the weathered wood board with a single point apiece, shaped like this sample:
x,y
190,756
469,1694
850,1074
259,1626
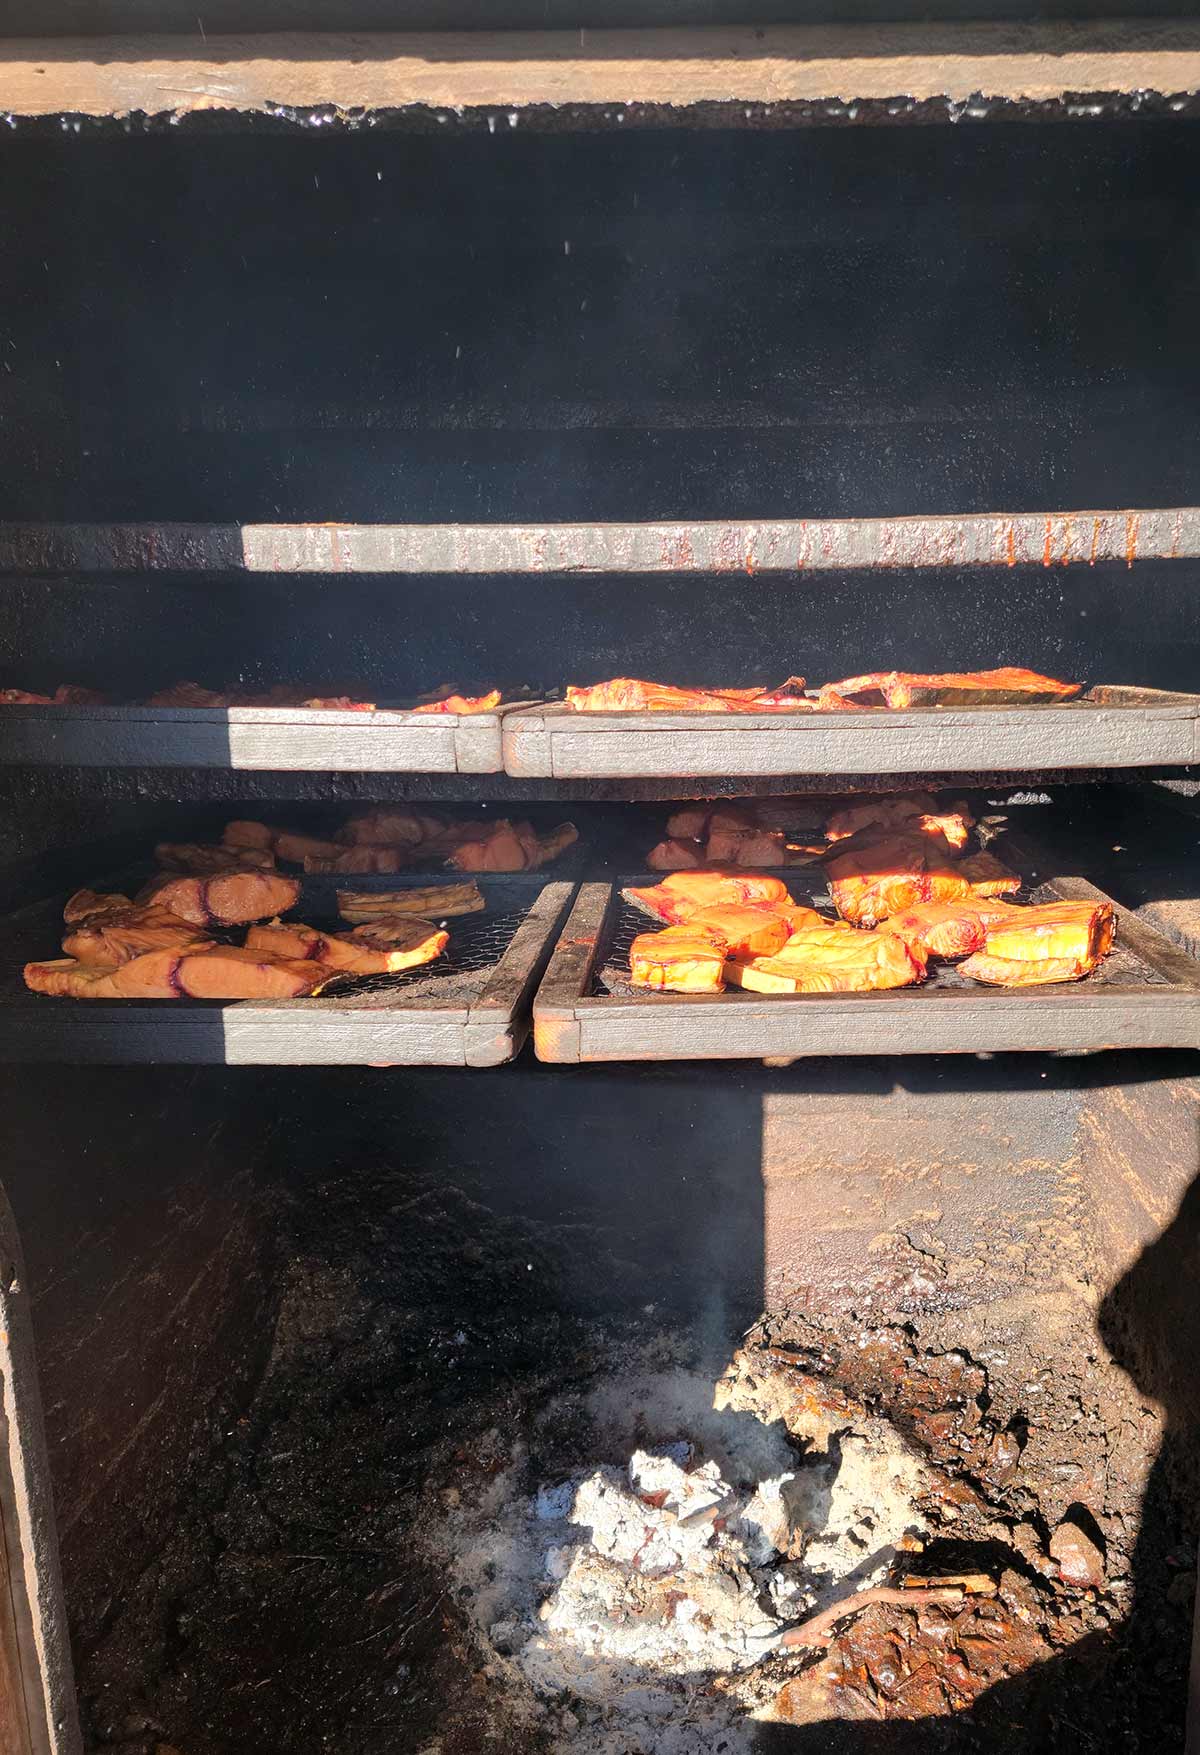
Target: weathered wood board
x,y
276,739
481,1018
1146,995
1110,727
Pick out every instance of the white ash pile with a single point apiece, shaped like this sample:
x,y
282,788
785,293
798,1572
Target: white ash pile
x,y
638,1593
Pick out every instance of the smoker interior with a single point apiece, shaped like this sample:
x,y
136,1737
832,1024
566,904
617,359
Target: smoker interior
x,y
290,1322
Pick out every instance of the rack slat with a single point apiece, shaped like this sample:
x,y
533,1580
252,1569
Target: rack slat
x,y
786,545
270,739
1110,727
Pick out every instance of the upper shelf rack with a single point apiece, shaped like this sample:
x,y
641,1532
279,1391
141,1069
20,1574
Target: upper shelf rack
x,y
668,546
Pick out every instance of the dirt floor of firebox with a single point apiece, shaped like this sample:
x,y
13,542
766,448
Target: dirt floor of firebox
x,y
458,1522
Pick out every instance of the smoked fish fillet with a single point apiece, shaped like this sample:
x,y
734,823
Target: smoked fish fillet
x,y
744,929
383,948
437,901
948,929
283,843
1058,941
231,899
678,897
513,847
86,904
627,694
889,875
152,976
677,959
65,695
988,876
676,855
898,689
232,972
202,861
463,703
830,959
118,935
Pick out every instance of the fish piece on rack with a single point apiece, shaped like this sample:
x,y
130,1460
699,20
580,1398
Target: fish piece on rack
x,y
392,825
678,897
677,959
152,976
913,812
689,823
369,858
435,901
746,929
232,899
889,812
120,934
799,919
244,834
830,959
676,855
87,904
742,847
384,947
899,689
295,849
252,837
989,876
463,704
513,847
948,929
1056,941
233,972
872,882
626,694
204,861
187,694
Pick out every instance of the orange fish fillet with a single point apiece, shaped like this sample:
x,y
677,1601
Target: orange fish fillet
x,y
232,972
678,897
86,904
872,882
385,947
463,704
1059,941
231,899
678,959
947,929
152,976
203,861
626,694
830,959
119,935
989,876
744,930
902,688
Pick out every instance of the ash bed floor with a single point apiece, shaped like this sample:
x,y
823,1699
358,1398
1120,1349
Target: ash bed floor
x,y
329,1577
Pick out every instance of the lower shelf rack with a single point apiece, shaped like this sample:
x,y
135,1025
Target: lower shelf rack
x,y
469,1008
1108,727
252,739
1146,994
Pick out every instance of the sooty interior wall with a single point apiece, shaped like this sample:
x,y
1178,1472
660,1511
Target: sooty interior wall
x,y
520,326
391,638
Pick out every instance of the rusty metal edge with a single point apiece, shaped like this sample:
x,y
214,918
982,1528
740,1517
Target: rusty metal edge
x,y
26,1505
795,545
